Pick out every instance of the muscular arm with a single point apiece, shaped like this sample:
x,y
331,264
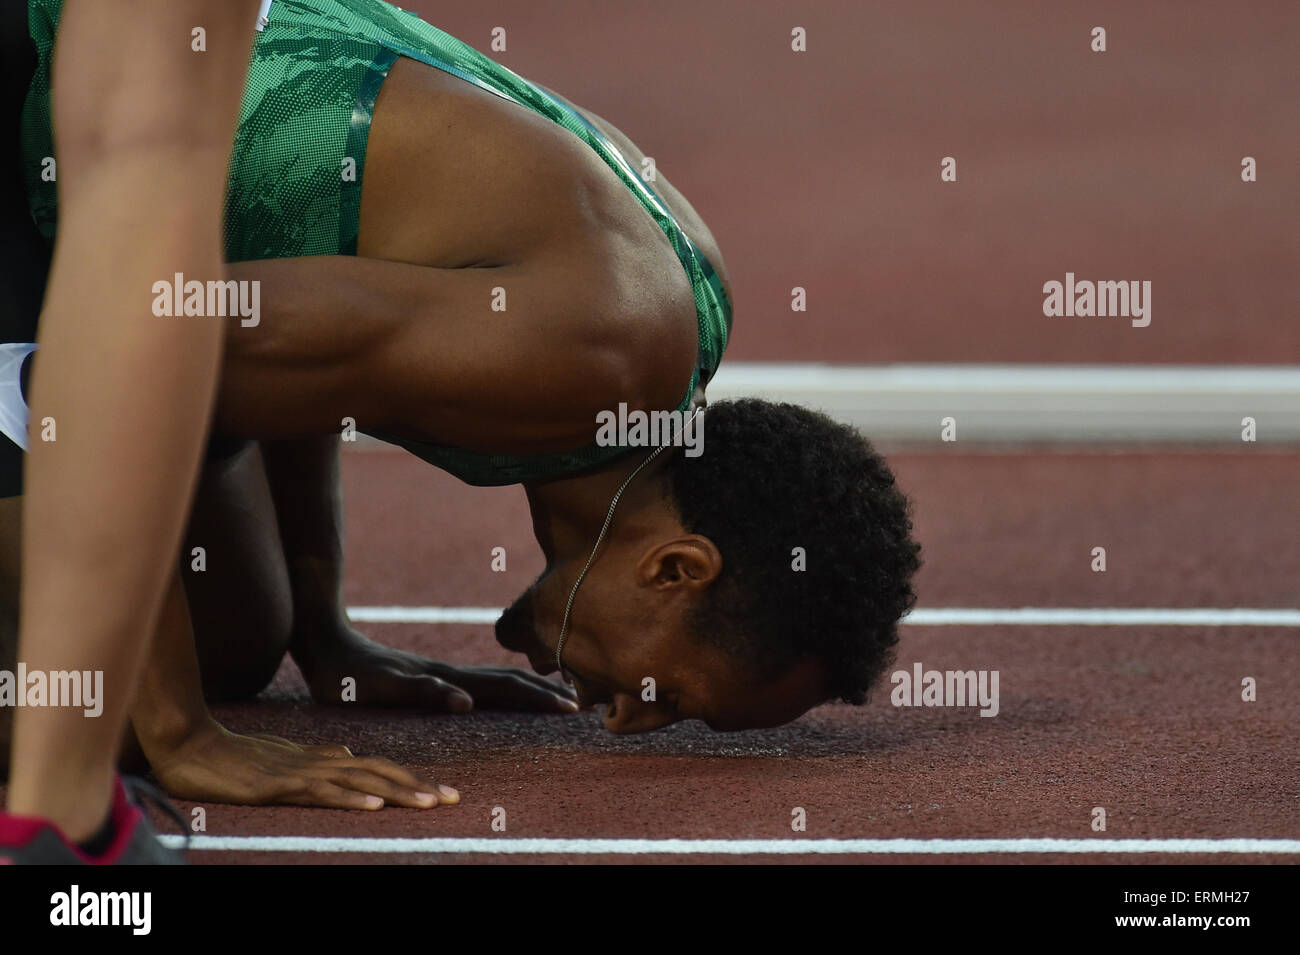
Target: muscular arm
x,y
422,352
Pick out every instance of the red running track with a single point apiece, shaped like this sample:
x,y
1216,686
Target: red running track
x,y
1145,722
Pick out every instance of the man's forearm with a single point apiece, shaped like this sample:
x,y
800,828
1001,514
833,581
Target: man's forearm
x,y
304,480
169,705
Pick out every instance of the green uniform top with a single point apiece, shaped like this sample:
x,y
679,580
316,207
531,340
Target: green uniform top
x,y
316,70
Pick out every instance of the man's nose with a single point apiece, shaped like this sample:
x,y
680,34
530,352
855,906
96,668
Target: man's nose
x,y
542,662
630,714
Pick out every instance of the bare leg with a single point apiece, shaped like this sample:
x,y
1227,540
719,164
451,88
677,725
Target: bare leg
x,y
240,604
142,169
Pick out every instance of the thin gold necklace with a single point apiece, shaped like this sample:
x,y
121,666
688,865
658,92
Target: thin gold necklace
x,y
609,519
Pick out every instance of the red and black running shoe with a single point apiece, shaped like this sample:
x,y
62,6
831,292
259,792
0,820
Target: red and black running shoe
x,y
29,840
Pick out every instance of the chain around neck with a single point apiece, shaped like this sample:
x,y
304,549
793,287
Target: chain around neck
x,y
609,519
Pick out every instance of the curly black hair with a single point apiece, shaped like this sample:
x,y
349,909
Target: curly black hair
x,y
773,477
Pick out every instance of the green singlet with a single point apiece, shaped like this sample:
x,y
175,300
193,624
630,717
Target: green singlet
x,y
316,70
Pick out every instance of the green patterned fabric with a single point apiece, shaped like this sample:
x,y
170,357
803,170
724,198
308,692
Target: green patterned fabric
x,y
316,70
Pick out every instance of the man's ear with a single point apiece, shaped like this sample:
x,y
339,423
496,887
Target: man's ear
x,y
691,561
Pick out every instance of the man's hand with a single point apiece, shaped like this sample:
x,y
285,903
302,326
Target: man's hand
x,y
388,677
195,758
215,765
304,479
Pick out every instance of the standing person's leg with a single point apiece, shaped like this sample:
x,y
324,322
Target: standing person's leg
x,y
144,122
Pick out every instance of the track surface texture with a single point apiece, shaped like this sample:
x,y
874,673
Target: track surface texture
x,y
821,170
1145,722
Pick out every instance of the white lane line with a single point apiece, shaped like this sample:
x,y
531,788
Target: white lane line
x,y
939,616
1023,378
1105,617
1056,404
1022,402
424,614
353,844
